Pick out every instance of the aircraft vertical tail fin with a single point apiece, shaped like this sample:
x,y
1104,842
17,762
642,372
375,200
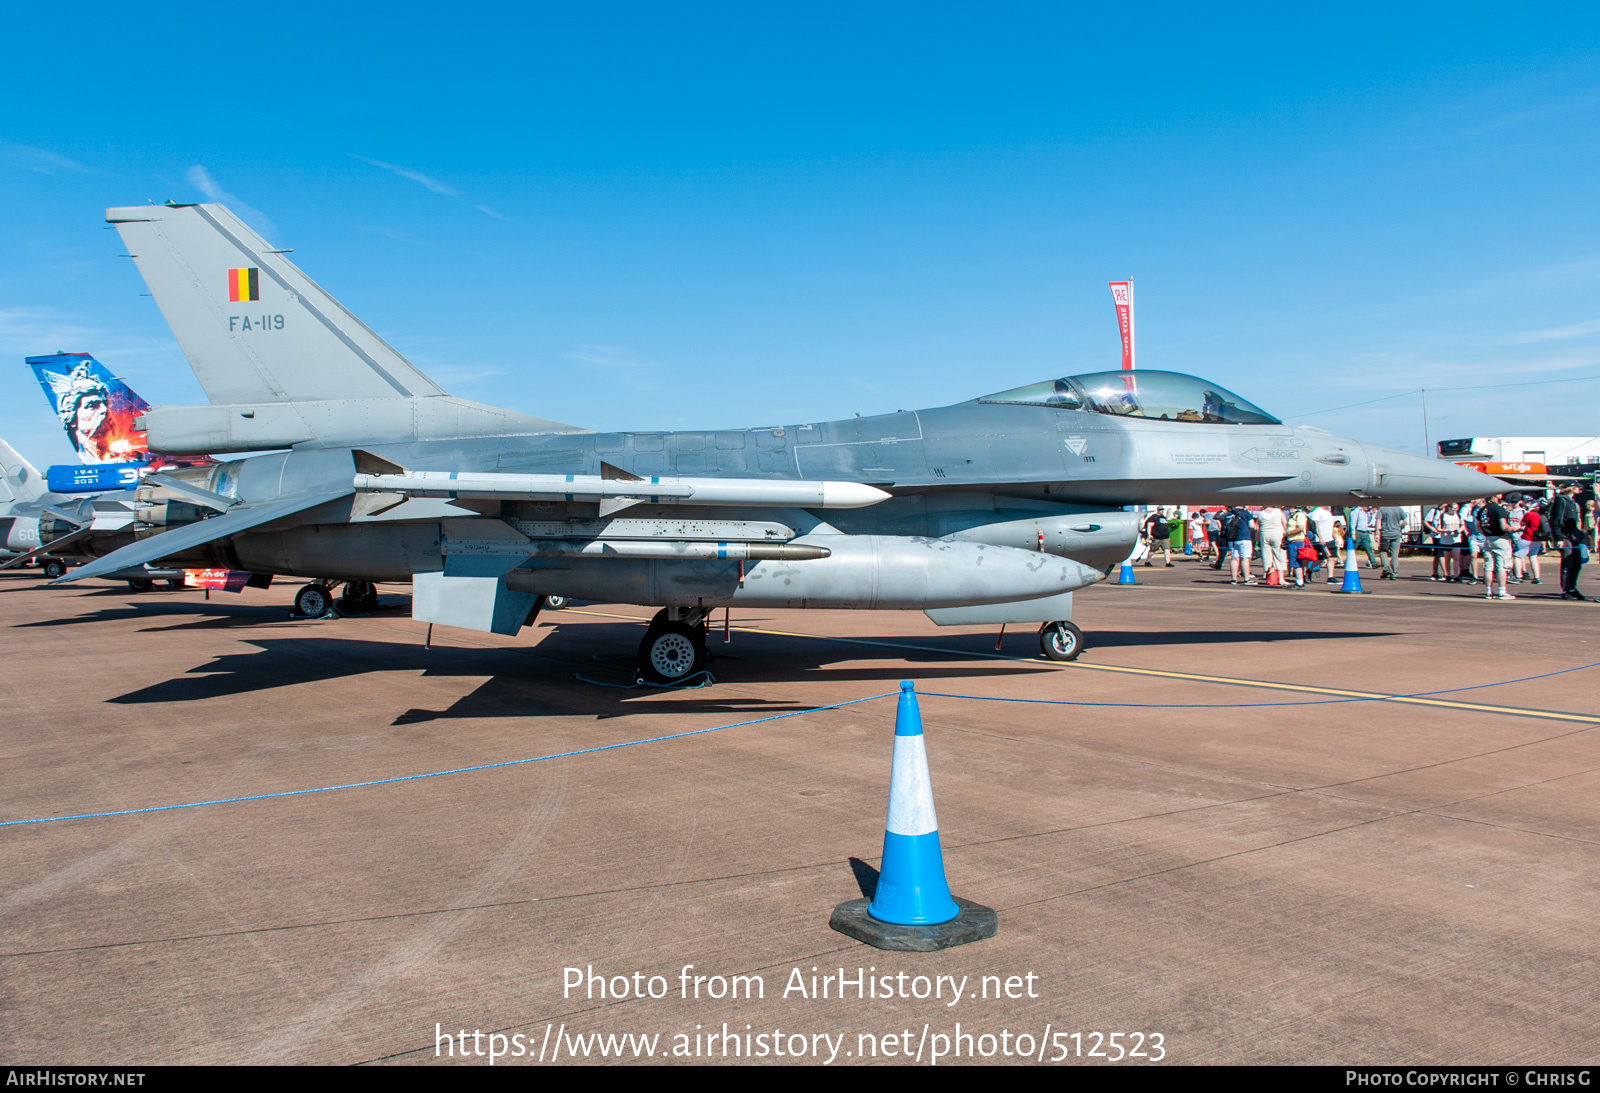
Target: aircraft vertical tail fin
x,y
96,409
18,478
252,325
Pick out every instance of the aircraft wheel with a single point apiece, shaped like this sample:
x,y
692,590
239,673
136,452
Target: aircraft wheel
x,y
175,583
555,603
54,568
1061,641
313,600
139,584
359,596
672,651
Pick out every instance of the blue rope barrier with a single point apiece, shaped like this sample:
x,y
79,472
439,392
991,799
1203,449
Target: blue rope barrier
x,y
439,773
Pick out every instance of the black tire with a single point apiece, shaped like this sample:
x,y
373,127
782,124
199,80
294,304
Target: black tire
x,y
54,568
359,596
175,583
1061,641
140,584
671,652
555,603
313,600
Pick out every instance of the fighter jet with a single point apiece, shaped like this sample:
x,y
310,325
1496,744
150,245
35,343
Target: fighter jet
x,y
49,526
83,509
993,510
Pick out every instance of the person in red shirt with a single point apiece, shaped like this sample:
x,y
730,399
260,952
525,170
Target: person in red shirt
x,y
1529,543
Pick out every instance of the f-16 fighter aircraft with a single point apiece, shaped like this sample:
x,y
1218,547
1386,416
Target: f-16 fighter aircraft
x,y
38,523
48,517
993,510
86,509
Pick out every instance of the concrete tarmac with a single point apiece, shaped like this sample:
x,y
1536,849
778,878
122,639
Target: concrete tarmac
x,y
1273,859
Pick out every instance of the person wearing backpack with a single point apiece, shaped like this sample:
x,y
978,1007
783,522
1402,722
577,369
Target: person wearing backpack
x,y
1494,522
1238,526
1566,524
1158,534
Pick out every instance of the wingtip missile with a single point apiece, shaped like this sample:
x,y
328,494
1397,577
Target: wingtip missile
x,y
608,489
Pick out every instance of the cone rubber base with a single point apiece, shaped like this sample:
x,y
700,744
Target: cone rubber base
x,y
974,923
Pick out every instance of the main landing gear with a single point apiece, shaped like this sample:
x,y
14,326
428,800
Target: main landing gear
x,y
674,645
53,568
316,599
1060,640
359,597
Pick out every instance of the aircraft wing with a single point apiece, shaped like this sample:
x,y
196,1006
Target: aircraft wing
x,y
184,538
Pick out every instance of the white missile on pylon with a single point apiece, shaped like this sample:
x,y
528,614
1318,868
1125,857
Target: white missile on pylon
x,y
620,486
634,548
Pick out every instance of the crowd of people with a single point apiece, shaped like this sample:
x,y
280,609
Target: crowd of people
x,y
1496,542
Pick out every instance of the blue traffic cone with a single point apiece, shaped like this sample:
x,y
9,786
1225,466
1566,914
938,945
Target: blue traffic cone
x,y
1125,574
911,908
1352,578
911,887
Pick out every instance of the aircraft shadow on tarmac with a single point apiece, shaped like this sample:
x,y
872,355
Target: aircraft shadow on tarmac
x,y
211,615
538,680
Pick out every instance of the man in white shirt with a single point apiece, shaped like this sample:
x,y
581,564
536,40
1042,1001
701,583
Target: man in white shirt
x,y
1270,520
1197,535
1322,524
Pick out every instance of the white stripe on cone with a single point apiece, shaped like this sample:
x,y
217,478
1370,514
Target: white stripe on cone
x,y
910,791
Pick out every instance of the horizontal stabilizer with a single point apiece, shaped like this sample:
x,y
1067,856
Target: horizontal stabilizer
x,y
54,545
76,519
190,492
189,536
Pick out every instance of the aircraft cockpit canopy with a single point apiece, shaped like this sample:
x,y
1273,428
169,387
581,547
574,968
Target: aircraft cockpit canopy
x,y
1160,396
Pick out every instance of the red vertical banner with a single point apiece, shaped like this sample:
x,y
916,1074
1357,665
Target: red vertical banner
x,y
1122,297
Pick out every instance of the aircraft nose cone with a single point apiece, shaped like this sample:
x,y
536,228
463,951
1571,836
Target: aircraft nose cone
x,y
1401,476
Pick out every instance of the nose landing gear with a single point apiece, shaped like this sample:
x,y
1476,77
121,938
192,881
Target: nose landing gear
x,y
1060,640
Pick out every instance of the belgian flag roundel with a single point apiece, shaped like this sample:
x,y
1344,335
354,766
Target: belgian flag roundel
x,y
244,284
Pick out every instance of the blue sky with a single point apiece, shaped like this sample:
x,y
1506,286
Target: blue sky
x,y
697,215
